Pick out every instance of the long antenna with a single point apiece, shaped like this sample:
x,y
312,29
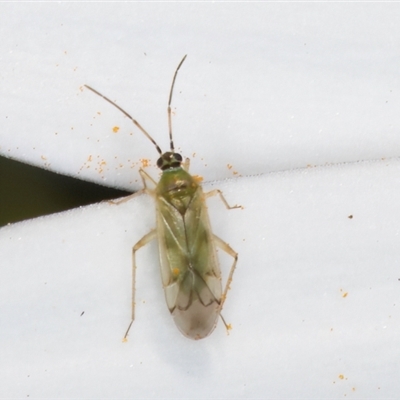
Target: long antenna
x,y
129,116
171,142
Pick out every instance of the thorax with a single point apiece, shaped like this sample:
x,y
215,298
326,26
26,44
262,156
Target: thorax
x,y
177,188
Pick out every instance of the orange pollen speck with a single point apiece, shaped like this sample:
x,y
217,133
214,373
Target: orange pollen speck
x,y
175,271
116,129
198,178
145,162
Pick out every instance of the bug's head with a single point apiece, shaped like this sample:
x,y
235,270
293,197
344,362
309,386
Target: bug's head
x,y
169,160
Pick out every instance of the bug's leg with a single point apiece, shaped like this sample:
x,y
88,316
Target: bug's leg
x,y
186,164
142,242
227,249
145,177
127,198
217,191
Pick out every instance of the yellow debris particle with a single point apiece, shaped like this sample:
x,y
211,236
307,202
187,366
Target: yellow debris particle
x,y
145,162
116,129
101,165
198,178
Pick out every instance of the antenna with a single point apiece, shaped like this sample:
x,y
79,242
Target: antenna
x,y
137,123
171,142
129,116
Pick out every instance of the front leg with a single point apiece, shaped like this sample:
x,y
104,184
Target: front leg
x,y
145,178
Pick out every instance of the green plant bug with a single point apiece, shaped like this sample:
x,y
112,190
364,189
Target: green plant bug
x,y
190,271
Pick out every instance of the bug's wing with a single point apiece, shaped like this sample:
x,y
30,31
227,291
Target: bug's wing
x,y
203,256
189,266
197,321
174,257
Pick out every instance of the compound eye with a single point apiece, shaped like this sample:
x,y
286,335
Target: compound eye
x,y
177,157
160,162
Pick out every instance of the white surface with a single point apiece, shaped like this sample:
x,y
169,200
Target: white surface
x,y
266,87
294,333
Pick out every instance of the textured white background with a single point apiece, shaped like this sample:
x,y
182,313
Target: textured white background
x,y
268,89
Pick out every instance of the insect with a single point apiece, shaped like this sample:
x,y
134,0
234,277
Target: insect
x,y
190,272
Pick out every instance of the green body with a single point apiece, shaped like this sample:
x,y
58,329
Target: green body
x,y
189,267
